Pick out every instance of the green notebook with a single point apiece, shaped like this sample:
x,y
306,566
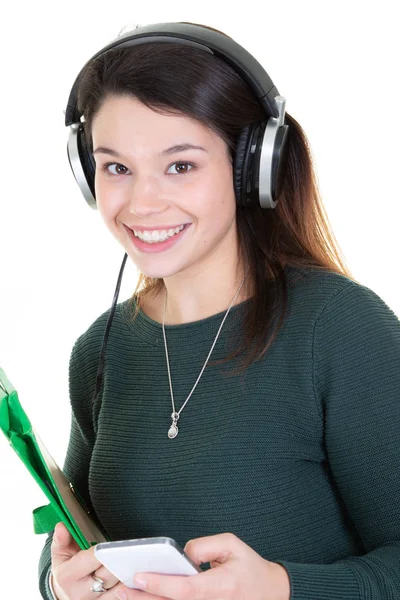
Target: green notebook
x,y
66,504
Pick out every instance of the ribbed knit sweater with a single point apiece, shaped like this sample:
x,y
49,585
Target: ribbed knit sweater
x,y
299,457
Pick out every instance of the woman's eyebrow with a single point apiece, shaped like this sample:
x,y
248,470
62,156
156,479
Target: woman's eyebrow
x,y
181,148
171,150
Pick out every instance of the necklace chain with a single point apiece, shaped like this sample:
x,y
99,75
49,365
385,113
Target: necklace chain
x,y
173,430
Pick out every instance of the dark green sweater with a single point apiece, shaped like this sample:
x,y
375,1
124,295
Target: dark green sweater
x,y
300,457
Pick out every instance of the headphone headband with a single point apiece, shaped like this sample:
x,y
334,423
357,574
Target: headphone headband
x,y
203,38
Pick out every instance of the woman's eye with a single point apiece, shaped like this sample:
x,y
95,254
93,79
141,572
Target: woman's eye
x,y
107,165
181,164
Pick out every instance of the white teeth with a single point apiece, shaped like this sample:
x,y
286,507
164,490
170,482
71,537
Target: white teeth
x,y
157,236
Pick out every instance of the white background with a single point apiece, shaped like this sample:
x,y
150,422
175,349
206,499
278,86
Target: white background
x,y
337,66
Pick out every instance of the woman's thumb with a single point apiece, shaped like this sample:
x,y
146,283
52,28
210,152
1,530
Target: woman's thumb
x,y
64,546
61,536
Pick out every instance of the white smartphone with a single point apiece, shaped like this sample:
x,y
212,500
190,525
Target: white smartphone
x,y
162,555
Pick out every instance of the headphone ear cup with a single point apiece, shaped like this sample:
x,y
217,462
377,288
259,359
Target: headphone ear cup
x,y
253,172
87,160
241,151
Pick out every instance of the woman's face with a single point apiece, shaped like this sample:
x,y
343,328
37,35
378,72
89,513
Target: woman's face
x,y
149,187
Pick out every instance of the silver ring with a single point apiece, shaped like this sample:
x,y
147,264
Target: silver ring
x,y
98,585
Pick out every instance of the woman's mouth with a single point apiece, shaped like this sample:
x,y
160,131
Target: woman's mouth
x,y
151,244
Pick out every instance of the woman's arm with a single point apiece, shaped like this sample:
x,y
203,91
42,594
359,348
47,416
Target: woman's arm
x,y
357,388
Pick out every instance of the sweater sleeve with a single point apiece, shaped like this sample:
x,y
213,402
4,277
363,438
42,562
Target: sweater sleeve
x,y
356,372
79,451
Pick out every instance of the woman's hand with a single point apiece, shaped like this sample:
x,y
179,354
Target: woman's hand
x,y
72,569
237,573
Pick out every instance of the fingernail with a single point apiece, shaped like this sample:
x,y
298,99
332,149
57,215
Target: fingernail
x,y
55,537
140,582
121,594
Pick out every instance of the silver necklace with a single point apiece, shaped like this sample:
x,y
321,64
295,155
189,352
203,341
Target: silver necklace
x,y
173,430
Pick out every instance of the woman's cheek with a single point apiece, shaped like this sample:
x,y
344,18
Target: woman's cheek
x,y
109,201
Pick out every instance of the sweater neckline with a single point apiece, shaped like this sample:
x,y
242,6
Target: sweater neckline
x,y
151,331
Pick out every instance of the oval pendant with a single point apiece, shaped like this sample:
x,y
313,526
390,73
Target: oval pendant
x,y
172,431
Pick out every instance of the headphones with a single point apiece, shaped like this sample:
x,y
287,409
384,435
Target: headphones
x,y
260,162
262,149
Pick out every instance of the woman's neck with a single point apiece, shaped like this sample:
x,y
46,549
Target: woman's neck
x,y
188,305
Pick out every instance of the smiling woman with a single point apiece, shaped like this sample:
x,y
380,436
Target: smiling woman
x,y
283,478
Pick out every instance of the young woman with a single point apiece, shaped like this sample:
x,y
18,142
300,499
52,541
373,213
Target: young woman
x,y
275,464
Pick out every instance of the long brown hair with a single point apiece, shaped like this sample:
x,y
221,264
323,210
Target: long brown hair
x,y
173,79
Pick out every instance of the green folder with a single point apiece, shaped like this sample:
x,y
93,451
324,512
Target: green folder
x,y
66,504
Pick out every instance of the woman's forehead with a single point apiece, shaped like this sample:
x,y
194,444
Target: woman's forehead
x,y
123,119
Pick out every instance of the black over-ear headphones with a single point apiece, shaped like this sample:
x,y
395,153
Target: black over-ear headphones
x,y
262,149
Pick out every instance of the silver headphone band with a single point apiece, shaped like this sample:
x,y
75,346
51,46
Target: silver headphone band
x,y
76,165
267,152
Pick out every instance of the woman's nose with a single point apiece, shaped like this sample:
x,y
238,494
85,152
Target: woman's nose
x,y
145,196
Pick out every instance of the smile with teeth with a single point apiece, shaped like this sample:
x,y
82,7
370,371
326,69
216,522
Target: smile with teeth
x,y
153,237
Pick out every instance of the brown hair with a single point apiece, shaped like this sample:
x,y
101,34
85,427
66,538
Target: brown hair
x,y
174,79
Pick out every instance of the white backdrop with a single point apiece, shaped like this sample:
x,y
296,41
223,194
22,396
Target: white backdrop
x,y
337,66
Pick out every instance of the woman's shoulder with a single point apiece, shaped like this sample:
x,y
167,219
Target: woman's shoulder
x,y
315,285
93,335
320,281
311,276
318,291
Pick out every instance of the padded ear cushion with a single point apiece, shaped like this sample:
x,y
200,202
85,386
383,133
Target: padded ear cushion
x,y
87,161
241,148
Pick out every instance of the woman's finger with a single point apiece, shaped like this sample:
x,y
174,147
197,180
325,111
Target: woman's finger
x,y
108,578
63,546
